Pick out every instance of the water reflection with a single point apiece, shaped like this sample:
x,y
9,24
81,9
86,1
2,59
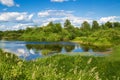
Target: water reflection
x,y
51,47
32,50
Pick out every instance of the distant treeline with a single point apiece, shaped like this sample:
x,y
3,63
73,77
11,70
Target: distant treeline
x,y
55,32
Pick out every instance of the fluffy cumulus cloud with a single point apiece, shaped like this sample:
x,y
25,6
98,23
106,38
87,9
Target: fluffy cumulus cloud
x,y
17,20
60,16
4,27
15,17
9,3
110,18
49,13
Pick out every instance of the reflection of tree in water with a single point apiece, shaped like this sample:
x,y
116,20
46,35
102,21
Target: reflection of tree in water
x,y
69,48
99,49
94,48
85,47
51,47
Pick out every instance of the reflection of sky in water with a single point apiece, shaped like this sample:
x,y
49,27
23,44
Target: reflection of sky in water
x,y
19,48
78,49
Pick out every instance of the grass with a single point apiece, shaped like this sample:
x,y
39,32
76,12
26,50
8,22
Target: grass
x,y
93,41
46,52
58,67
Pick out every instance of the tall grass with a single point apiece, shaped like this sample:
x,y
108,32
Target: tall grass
x,y
115,56
58,67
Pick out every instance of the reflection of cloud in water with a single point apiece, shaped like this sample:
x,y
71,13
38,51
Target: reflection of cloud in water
x,y
2,44
22,52
77,49
63,50
31,51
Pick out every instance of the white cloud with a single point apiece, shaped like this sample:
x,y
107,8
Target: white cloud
x,y
17,26
109,18
17,5
43,14
8,3
15,20
49,13
59,16
15,17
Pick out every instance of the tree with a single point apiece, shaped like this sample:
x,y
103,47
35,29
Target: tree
x,y
85,26
58,28
95,25
50,24
108,24
28,29
68,26
116,25
1,35
67,23
103,26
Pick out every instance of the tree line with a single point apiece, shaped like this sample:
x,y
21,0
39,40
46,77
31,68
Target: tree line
x,y
57,32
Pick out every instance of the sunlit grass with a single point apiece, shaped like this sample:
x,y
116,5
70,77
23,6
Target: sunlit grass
x,y
58,67
115,55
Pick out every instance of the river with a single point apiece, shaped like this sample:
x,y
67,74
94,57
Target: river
x,y
32,50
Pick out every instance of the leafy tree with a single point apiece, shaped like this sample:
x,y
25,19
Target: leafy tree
x,y
50,24
102,26
57,28
116,25
1,34
108,24
85,26
95,25
67,23
28,29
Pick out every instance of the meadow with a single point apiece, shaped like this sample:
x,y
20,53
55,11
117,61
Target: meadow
x,y
60,67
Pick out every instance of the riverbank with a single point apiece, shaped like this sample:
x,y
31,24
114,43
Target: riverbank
x,y
89,42
58,67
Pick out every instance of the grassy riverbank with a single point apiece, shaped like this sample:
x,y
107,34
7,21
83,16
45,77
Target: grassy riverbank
x,y
101,38
58,67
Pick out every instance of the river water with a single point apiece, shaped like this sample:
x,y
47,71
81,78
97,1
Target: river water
x,y
33,50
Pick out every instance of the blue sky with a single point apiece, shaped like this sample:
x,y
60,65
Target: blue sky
x,y
19,14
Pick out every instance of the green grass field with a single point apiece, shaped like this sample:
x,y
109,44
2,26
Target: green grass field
x,y
59,67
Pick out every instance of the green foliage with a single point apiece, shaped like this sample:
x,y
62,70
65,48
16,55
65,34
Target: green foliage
x,y
111,35
95,25
116,25
67,24
1,34
46,52
107,33
85,26
94,41
58,67
115,56
108,24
